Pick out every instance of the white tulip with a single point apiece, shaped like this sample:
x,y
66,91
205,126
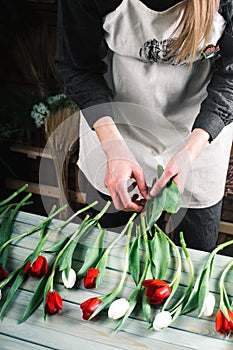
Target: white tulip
x,y
209,303
70,281
162,320
118,308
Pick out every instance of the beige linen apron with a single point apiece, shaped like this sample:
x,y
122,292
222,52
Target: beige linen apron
x,y
157,101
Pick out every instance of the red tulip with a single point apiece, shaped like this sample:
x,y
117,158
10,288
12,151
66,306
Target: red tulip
x,y
3,273
157,290
222,323
39,268
53,303
89,306
89,280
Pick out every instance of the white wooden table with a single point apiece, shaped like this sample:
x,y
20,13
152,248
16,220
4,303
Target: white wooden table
x,y
67,329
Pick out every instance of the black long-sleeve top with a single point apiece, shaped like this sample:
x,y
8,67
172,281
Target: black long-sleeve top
x,y
81,48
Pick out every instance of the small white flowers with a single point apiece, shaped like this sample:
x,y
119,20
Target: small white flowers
x,y
209,303
70,281
162,320
118,308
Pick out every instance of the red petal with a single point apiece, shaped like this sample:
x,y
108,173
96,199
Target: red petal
x,y
57,300
154,282
89,282
218,320
162,293
92,272
27,267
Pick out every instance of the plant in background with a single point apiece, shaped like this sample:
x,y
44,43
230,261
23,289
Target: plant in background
x,y
49,104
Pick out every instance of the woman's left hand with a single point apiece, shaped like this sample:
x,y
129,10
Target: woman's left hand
x,y
179,165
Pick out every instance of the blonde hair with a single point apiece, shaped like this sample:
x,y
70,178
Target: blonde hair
x,y
194,27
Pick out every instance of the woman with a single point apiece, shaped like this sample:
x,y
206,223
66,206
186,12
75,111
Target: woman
x,y
175,58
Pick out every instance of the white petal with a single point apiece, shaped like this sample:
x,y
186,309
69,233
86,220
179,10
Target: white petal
x,y
70,281
209,304
118,308
162,320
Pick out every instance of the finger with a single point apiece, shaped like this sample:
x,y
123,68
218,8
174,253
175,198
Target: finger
x,y
142,186
128,204
160,183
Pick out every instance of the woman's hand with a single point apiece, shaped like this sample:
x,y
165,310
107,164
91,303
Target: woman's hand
x,y
119,171
121,167
180,164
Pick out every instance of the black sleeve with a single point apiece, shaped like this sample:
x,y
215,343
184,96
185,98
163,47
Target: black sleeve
x,y
217,109
78,56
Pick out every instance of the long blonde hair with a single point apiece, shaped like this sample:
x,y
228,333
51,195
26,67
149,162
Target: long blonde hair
x,y
195,26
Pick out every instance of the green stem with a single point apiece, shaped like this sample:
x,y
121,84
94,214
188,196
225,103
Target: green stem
x,y
107,251
221,284
7,200
191,278
34,229
81,230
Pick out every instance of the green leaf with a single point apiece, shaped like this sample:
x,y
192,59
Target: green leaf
x,y
204,285
57,246
101,266
5,230
35,300
160,254
16,284
173,200
155,209
134,258
65,261
93,253
146,307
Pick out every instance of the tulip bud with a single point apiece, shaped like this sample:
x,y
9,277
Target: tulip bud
x,y
53,302
118,308
209,303
162,320
70,281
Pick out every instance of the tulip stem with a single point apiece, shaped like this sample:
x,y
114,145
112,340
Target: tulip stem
x,y
78,233
191,278
34,229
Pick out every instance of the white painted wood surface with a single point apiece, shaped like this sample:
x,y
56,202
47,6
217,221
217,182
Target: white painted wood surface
x,y
67,329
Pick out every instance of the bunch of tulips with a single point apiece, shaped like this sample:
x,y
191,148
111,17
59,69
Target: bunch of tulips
x,y
147,259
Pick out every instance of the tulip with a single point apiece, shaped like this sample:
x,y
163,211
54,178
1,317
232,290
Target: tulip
x,y
53,303
209,303
162,320
3,274
222,323
157,290
89,306
70,281
89,280
118,308
38,269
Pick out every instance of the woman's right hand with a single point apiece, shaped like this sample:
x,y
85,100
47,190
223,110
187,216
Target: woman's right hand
x,y
121,167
